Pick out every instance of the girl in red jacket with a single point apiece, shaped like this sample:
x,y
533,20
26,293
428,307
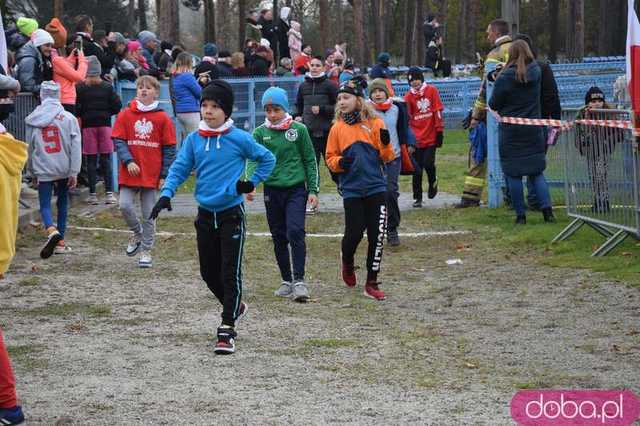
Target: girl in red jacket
x,y
425,119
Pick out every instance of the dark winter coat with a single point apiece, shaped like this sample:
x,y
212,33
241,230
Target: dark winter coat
x,y
224,70
206,67
317,91
91,48
96,104
33,69
269,31
259,66
379,70
522,148
433,57
550,101
283,40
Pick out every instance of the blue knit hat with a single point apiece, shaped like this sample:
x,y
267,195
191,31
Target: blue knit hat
x,y
276,96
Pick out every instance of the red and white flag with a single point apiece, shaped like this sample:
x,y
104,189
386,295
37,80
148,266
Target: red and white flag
x,y
633,57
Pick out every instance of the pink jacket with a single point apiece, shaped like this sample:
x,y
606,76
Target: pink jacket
x,y
295,38
65,74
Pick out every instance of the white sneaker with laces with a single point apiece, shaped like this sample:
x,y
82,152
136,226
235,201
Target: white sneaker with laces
x,y
65,249
134,245
92,199
110,198
145,260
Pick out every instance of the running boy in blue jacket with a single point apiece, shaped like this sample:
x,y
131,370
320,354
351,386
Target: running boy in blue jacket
x,y
218,152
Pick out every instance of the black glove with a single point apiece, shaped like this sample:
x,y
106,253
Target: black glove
x,y
163,203
439,139
385,137
244,186
345,163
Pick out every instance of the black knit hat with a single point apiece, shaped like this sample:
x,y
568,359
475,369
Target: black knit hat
x,y
415,73
219,91
355,86
594,94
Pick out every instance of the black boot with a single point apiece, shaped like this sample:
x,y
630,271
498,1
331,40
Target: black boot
x,y
547,213
521,220
433,190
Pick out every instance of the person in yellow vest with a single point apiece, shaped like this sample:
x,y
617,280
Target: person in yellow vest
x,y
498,36
13,156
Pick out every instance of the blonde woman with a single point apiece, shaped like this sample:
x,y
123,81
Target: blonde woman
x,y
185,94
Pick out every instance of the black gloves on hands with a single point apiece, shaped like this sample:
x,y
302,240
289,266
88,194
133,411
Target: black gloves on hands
x,y
439,139
163,203
345,163
385,137
244,186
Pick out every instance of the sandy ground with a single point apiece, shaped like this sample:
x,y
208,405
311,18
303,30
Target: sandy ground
x,y
97,341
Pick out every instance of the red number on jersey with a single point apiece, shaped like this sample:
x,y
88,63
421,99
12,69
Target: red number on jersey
x,y
51,138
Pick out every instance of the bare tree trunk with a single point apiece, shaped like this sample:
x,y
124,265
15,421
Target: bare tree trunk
x,y
168,20
461,34
223,22
131,12
554,11
418,39
409,25
324,24
242,14
382,23
358,26
471,29
339,14
604,35
210,26
443,7
142,14
575,29
58,8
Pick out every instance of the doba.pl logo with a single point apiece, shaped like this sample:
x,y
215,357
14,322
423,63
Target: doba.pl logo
x,y
573,407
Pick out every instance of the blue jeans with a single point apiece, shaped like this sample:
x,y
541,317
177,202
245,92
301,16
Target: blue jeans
x,y
516,191
45,191
286,216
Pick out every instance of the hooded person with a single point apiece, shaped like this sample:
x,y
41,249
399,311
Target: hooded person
x,y
283,33
34,62
206,71
55,156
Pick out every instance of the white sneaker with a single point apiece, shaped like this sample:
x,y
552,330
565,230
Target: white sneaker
x,y
110,198
145,260
92,199
134,245
65,249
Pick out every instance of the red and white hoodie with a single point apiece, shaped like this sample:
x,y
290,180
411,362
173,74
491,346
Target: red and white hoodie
x,y
425,114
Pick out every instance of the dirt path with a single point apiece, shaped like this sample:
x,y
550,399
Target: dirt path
x,y
97,341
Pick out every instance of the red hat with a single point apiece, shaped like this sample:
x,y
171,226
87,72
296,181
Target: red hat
x,y
58,32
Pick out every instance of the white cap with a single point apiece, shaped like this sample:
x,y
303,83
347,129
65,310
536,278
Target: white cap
x,y
264,42
40,37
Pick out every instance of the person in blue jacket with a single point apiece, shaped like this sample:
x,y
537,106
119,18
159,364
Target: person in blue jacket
x,y
185,95
218,152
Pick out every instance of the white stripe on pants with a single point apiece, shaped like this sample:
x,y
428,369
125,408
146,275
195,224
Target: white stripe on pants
x,y
147,228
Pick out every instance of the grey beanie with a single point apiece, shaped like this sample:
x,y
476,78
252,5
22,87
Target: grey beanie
x,y
94,69
50,90
120,38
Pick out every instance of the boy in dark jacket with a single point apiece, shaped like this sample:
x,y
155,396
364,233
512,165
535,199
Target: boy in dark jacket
x,y
96,102
218,152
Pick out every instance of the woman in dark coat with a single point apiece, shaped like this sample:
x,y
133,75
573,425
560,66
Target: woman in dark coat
x,y
522,148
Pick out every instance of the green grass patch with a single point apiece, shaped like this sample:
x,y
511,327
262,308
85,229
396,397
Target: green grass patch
x,y
29,281
27,357
68,309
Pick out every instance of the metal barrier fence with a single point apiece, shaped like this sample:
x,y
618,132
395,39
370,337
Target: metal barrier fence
x,y
602,185
24,104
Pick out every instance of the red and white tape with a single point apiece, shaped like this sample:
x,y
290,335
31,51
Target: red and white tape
x,y
566,125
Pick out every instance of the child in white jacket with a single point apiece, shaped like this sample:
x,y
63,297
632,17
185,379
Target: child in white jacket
x,y
55,155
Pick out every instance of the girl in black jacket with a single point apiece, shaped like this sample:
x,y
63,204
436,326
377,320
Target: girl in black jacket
x,y
96,102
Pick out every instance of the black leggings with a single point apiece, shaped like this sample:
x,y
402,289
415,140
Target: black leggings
x,y
105,168
368,213
425,159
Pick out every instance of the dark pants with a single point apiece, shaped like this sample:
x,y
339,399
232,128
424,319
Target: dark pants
x,y
45,192
393,210
220,239
320,147
286,216
368,213
425,159
105,168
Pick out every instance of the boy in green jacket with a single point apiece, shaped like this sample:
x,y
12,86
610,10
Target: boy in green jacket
x,y
292,184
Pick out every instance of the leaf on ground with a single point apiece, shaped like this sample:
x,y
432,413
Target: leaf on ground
x,y
463,247
627,253
470,364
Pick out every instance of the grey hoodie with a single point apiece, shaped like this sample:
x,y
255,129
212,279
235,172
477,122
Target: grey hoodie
x,y
53,135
